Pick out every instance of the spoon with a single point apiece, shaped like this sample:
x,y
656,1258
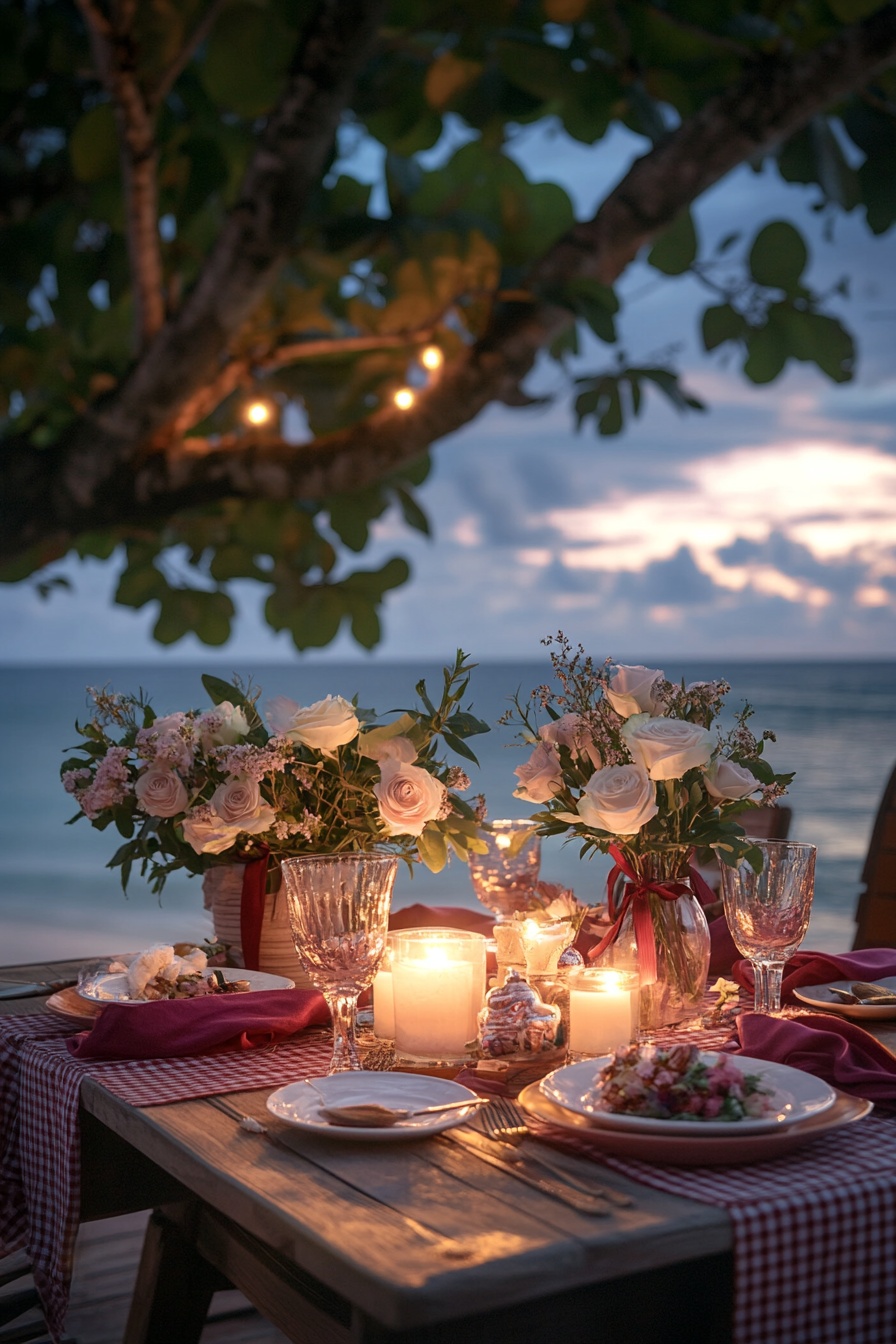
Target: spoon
x,y
865,994
371,1115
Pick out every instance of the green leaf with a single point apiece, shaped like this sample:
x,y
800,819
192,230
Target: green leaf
x,y
721,323
140,584
432,848
458,746
766,353
465,725
93,145
412,512
247,59
676,250
778,256
365,625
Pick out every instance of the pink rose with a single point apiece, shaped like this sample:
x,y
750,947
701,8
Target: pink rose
x,y
408,797
631,689
208,834
571,731
161,792
539,776
620,799
666,748
728,781
237,800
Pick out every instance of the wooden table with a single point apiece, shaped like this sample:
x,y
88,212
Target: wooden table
x,y
417,1243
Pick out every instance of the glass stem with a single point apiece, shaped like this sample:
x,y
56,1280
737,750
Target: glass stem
x,y
342,1010
767,986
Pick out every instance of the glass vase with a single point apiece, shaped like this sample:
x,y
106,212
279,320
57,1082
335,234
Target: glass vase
x,y
673,996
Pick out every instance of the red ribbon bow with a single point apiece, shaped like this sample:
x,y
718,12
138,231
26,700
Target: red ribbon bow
x,y
635,894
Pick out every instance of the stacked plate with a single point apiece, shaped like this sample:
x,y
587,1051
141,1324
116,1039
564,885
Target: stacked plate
x,y
805,1107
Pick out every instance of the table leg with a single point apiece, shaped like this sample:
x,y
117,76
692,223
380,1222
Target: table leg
x,y
174,1285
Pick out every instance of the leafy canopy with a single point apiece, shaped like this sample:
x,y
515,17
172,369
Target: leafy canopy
x,y
436,252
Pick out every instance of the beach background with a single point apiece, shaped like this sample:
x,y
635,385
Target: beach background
x,y
835,726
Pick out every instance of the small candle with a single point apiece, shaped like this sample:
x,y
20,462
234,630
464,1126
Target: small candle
x,y
542,944
603,1008
438,983
383,1005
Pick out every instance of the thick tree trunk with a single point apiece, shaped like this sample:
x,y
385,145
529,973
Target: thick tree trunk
x,y
119,465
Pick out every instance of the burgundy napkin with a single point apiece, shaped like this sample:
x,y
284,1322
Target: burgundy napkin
x,y
830,1047
817,968
444,917
723,953
174,1027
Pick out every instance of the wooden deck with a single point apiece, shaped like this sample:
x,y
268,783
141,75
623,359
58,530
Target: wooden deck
x,y
105,1270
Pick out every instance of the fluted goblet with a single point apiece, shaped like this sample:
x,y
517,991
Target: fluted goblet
x,y
768,912
339,912
505,877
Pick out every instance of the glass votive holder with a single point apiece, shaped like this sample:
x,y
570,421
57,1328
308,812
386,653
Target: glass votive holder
x,y
603,1011
542,944
438,986
383,996
504,878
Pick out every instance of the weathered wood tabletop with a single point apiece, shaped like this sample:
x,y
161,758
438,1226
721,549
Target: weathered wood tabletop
x,y
420,1241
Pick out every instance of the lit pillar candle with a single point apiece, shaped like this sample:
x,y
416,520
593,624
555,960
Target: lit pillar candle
x,y
383,1005
603,1007
438,983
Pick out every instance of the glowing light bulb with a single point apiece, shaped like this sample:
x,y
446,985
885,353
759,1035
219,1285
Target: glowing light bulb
x,y
258,412
432,358
503,841
404,398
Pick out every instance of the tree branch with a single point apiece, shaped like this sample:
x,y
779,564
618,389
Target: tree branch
x,y
115,57
91,479
170,76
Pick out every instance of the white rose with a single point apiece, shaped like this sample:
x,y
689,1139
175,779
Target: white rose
x,y
539,777
570,730
631,689
222,726
323,726
408,797
620,799
726,780
209,835
161,792
399,749
666,748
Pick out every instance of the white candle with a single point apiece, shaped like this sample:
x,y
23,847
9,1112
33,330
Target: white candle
x,y
383,1006
434,1016
602,1011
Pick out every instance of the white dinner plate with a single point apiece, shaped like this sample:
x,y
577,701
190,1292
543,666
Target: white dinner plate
x,y
299,1104
113,987
695,1150
820,996
797,1095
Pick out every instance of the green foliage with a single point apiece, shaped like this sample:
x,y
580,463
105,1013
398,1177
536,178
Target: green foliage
x,y
453,238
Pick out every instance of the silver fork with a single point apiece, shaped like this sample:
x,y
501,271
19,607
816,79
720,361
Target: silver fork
x,y
503,1121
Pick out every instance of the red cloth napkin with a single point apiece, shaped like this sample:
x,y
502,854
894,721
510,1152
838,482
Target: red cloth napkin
x,y
723,953
817,968
830,1047
175,1027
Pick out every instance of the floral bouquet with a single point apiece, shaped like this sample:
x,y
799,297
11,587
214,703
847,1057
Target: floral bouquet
x,y
632,764
199,788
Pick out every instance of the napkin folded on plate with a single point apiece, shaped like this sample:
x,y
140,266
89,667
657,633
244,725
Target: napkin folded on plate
x,y
817,968
832,1048
170,1028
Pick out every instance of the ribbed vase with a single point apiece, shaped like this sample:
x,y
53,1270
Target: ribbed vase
x,y
222,889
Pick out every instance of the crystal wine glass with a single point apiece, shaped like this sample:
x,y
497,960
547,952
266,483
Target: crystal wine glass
x,y
505,877
339,911
768,912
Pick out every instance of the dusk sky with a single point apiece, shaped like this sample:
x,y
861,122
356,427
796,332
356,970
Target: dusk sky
x,y
766,525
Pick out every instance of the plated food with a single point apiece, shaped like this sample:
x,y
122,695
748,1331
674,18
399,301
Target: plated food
x,y
169,971
680,1083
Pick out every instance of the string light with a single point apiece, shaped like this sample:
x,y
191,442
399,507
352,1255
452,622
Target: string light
x,y
432,358
258,413
404,398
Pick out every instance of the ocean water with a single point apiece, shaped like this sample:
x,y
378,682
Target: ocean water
x,y
835,725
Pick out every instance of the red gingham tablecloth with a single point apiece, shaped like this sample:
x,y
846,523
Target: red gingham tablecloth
x,y
40,1082
814,1232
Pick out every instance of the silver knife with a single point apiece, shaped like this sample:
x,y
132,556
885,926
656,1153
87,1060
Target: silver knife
x,y
33,988
590,1204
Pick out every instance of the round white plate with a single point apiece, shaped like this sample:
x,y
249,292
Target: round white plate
x,y
797,1096
820,996
113,987
299,1104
